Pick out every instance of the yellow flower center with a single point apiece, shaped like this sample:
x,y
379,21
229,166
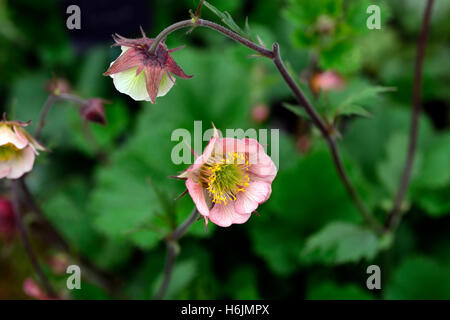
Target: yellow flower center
x,y
225,176
8,151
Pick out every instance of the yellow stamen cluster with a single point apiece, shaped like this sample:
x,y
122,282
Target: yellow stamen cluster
x,y
8,151
225,176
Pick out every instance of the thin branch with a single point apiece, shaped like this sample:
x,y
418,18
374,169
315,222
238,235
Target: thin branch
x,y
168,268
172,253
181,230
47,105
274,55
208,24
395,214
26,241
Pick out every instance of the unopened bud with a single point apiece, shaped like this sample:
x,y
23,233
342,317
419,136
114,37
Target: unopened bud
x,y
94,111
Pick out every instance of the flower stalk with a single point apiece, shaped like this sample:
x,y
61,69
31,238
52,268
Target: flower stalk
x,y
395,214
172,252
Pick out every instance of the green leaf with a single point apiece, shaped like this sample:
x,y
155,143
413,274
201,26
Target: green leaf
x,y
352,103
436,171
228,20
353,109
126,206
71,219
296,200
296,109
418,278
277,242
341,242
434,202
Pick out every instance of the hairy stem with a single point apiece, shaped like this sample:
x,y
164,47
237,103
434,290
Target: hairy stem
x,y
395,214
209,24
172,253
26,241
274,55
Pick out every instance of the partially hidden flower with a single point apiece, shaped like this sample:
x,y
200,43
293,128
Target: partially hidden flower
x,y
17,149
58,86
94,111
260,113
33,290
7,218
326,81
230,180
140,74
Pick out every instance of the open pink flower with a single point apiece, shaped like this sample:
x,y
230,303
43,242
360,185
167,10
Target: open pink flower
x,y
17,149
140,74
230,179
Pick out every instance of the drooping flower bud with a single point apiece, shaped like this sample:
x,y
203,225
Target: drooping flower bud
x,y
17,149
94,111
140,74
58,86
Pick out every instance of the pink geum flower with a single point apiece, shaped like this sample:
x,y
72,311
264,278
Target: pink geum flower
x,y
230,179
141,75
17,149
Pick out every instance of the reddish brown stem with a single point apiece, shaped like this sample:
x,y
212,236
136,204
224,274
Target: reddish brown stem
x,y
395,214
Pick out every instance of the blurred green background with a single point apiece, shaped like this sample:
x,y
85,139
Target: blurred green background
x,y
104,193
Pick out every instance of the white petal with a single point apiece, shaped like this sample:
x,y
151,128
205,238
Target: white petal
x,y
128,83
165,85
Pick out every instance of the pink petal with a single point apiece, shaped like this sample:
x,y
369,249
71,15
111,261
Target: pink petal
x,y
22,163
205,155
8,134
261,165
196,192
23,134
264,169
153,76
257,192
225,215
127,60
4,170
173,67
